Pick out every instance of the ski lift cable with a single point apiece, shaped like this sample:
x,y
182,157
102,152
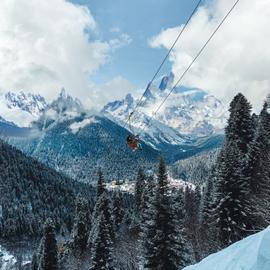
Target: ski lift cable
x,y
139,103
191,64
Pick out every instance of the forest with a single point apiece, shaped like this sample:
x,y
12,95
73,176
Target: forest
x,y
158,227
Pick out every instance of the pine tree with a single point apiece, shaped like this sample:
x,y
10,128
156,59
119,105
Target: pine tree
x,y
100,184
102,246
102,205
240,124
139,188
186,255
161,243
34,263
232,195
207,231
257,170
117,209
192,211
48,253
82,223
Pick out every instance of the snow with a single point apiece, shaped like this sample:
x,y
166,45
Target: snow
x,y
76,126
21,108
7,261
251,253
129,186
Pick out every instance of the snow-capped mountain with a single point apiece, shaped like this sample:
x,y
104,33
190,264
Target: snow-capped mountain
x,y
21,108
187,114
64,107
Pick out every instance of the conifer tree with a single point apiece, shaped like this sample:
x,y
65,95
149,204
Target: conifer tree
x,y
82,223
48,252
100,184
257,170
102,205
34,263
117,209
207,232
102,246
232,195
240,124
161,243
139,188
192,213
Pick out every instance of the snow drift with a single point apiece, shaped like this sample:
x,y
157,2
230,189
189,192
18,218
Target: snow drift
x,y
251,253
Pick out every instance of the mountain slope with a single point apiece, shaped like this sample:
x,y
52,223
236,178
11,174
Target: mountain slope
x,y
30,192
196,169
78,146
251,253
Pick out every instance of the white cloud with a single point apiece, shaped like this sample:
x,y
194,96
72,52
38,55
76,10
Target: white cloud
x,y
123,40
236,60
47,45
110,91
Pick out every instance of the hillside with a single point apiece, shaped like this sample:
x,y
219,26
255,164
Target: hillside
x,y
197,168
31,192
251,253
78,146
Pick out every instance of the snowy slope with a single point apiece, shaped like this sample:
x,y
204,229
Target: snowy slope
x,y
251,253
21,108
7,261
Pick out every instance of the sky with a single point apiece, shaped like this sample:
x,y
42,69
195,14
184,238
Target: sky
x,y
100,50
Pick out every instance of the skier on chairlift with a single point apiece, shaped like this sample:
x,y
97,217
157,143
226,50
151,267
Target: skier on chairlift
x,y
134,142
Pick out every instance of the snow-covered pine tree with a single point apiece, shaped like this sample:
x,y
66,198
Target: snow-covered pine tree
x,y
233,197
81,226
161,246
240,126
117,209
102,205
34,262
48,253
207,230
257,170
192,211
147,200
100,184
186,255
102,245
139,188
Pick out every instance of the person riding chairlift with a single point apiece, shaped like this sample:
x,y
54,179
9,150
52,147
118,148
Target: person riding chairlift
x,y
134,142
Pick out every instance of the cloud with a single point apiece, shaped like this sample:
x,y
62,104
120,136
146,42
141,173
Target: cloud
x,y
110,91
122,40
47,45
236,60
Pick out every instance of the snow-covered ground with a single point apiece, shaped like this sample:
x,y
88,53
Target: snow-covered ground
x,y
251,253
129,186
7,261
